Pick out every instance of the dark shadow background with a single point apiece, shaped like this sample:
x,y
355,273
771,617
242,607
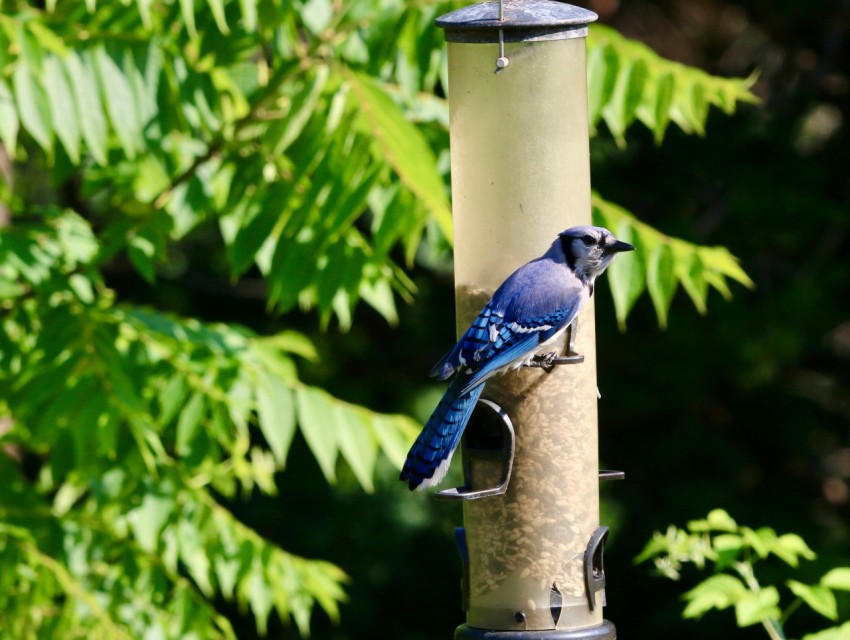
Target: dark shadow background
x,y
745,408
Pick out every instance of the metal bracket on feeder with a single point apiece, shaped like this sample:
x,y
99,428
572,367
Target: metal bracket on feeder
x,y
594,565
489,437
612,475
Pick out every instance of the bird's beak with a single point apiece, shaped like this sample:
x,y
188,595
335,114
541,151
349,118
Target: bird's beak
x,y
619,246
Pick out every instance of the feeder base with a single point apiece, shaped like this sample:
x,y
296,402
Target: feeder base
x,y
604,631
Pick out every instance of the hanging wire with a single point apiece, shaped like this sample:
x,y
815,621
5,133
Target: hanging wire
x,y
502,61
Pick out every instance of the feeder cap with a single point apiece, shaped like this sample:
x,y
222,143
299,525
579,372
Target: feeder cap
x,y
523,21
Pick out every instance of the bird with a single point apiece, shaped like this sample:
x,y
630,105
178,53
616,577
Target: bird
x,y
517,327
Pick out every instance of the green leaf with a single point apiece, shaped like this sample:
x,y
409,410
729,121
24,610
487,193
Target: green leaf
x,y
379,295
661,281
717,520
291,342
32,54
147,520
33,106
120,102
249,14
727,546
627,275
654,110
171,398
145,12
301,107
8,118
754,607
833,633
395,434
689,269
621,108
187,9
838,578
63,107
217,8
89,107
761,541
694,266
790,548
601,77
193,554
631,72
189,423
818,597
256,219
317,15
357,445
402,145
317,420
259,595
276,412
717,592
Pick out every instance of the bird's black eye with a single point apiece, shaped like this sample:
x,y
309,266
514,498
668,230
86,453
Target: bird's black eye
x,y
588,240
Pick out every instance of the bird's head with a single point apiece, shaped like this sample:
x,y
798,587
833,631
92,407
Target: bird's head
x,y
589,250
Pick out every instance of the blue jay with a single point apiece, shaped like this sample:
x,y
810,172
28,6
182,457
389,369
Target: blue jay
x,y
518,326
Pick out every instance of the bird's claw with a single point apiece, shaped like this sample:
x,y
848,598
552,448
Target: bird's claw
x,y
548,361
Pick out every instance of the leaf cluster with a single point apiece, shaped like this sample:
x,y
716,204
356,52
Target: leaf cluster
x,y
629,82
138,424
731,551
306,133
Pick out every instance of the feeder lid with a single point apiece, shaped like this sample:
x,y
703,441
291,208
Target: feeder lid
x,y
523,20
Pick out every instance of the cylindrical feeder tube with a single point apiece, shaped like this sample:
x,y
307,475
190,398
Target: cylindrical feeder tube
x,y
520,175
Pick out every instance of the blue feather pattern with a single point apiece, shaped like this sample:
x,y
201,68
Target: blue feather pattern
x,y
431,454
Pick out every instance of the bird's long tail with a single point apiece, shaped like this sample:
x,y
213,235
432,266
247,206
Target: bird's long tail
x,y
429,457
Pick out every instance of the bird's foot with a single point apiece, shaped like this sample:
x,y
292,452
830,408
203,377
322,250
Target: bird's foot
x,y
548,361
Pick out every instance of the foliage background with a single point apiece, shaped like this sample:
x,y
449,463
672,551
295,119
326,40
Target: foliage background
x,y
745,408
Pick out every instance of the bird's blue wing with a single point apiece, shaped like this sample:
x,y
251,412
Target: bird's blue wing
x,y
516,339
534,303
476,338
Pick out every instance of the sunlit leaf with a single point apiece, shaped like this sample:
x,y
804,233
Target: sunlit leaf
x,y
87,96
841,632
357,445
217,8
62,107
403,146
8,117
628,81
120,102
189,423
790,548
754,607
661,280
317,421
149,518
627,274
33,106
818,597
670,262
716,592
276,409
838,578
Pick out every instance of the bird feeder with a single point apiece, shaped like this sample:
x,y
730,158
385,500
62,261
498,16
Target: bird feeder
x,y
531,541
